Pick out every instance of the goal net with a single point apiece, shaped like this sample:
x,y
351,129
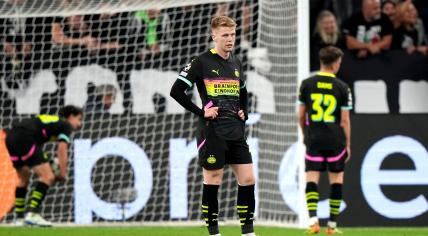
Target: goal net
x,y
134,160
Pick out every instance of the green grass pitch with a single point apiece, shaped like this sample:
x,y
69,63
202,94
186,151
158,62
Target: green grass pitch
x,y
196,231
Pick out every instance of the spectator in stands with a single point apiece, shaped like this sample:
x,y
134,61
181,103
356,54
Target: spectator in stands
x,y
72,46
245,13
116,48
248,22
100,98
389,8
326,33
410,36
151,30
34,31
72,36
16,53
189,30
113,31
370,31
116,37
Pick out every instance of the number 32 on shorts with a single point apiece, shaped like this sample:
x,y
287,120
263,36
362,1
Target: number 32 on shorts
x,y
319,101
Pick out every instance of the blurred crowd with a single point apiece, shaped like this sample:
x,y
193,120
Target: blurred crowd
x,y
168,39
163,39
378,27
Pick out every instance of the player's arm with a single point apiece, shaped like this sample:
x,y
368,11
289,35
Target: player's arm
x,y
243,99
62,153
345,120
62,149
301,116
185,80
345,123
301,113
178,92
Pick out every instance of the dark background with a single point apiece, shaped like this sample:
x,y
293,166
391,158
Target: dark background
x,y
366,131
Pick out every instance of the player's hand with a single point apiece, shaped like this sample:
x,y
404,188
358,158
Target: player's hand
x,y
211,113
60,178
348,150
241,114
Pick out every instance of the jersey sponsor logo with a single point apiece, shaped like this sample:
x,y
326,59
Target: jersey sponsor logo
x,y
211,159
237,73
216,72
222,87
323,85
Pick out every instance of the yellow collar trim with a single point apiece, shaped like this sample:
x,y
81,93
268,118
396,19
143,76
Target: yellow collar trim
x,y
326,74
213,51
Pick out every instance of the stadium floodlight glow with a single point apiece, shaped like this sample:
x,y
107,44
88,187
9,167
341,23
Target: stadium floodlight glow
x,y
373,178
86,202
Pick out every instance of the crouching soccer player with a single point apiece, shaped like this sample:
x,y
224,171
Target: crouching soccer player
x,y
324,118
219,78
24,142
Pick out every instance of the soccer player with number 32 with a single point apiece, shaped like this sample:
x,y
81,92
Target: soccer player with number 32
x,y
324,107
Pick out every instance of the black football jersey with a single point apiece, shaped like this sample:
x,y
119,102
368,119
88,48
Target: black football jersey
x,y
46,128
218,81
324,97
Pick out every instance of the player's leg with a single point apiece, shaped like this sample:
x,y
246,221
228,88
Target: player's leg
x,y
336,183
246,200
18,144
314,164
24,174
211,159
40,165
336,165
212,181
312,198
239,158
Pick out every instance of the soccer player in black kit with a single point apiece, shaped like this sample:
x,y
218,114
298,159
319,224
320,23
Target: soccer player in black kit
x,y
221,140
24,142
324,107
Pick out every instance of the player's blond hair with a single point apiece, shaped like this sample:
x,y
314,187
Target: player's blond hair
x,y
222,21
